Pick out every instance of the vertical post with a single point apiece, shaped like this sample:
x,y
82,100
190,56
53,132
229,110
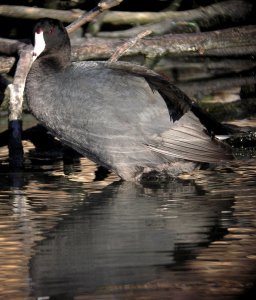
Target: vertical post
x,y
15,144
15,107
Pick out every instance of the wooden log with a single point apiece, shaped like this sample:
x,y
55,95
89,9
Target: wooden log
x,y
232,11
226,42
198,88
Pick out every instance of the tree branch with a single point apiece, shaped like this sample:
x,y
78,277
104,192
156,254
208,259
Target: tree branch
x,y
87,17
130,43
163,27
200,88
34,13
9,47
227,42
232,10
6,63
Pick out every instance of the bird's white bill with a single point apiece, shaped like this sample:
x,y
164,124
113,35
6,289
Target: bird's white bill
x,y
222,137
39,44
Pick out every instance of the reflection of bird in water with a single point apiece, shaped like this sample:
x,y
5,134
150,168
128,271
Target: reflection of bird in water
x,y
126,234
122,116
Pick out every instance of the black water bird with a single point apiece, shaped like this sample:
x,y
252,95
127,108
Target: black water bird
x,y
122,116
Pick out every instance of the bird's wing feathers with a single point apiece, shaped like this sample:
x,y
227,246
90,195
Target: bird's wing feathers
x,y
177,102
187,139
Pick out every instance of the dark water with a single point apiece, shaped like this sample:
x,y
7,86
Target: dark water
x,y
70,237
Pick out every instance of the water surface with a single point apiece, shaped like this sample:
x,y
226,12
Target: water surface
x,y
64,235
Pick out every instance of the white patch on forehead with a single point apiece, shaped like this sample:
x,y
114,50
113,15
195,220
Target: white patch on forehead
x,y
39,44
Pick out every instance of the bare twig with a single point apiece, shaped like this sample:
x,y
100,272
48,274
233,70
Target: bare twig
x,y
130,43
86,17
107,4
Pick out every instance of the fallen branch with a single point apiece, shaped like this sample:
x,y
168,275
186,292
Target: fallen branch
x,y
229,11
6,63
207,16
164,27
211,65
236,110
34,13
227,42
185,69
10,47
199,88
3,85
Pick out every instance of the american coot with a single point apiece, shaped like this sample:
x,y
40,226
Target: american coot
x,y
122,116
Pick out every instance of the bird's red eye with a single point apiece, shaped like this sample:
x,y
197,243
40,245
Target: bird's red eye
x,y
51,30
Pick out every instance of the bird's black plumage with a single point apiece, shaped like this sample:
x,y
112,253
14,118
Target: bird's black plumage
x,y
123,116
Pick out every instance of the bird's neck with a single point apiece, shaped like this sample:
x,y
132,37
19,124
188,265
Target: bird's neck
x,y
53,61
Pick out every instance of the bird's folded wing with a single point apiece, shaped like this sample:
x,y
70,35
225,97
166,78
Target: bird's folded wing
x,y
187,139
